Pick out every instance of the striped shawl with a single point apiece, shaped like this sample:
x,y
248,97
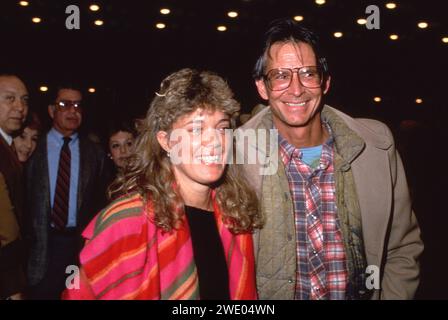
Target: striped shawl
x,y
127,257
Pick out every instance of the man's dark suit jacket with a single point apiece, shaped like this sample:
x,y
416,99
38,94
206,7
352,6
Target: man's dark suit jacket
x,y
91,198
12,254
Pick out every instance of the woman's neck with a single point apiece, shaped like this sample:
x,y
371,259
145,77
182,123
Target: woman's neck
x,y
198,198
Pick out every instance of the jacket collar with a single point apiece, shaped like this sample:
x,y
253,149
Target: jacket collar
x,y
350,136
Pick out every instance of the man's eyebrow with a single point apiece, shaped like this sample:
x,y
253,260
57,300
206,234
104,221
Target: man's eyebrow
x,y
9,91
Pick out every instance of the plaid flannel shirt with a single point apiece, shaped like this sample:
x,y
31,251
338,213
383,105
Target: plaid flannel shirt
x,y
321,260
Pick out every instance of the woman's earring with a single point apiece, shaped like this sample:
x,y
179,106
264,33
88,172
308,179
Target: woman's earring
x,y
168,154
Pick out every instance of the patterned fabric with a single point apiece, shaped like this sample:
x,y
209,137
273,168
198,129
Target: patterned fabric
x,y
59,214
127,257
321,260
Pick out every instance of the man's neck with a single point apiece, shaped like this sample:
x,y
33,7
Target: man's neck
x,y
311,135
64,133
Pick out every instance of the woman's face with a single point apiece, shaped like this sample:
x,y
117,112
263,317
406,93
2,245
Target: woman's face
x,y
25,143
198,147
120,147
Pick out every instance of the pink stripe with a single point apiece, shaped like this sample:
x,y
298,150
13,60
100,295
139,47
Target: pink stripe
x,y
178,266
114,233
125,267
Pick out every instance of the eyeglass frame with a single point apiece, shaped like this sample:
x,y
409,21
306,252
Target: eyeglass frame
x,y
76,104
295,70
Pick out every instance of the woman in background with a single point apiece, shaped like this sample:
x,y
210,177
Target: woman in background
x,y
121,140
25,142
182,226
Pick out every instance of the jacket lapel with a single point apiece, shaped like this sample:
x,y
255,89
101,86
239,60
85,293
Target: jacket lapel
x,y
84,172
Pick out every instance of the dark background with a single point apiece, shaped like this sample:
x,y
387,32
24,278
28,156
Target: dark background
x,y
127,57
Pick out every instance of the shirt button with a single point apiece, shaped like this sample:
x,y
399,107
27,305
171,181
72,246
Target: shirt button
x,y
289,236
315,252
313,216
289,280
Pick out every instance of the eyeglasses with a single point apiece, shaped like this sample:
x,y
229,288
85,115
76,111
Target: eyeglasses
x,y
281,78
67,104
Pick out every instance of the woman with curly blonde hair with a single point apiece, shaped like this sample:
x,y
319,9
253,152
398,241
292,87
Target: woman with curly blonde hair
x,y
181,222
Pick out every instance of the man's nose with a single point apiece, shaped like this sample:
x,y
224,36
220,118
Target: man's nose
x,y
20,105
296,88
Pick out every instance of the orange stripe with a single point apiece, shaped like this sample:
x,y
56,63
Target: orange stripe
x,y
123,205
169,250
186,288
149,280
125,255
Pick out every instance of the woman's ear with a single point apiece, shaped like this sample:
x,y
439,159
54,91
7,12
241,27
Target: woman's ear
x,y
162,138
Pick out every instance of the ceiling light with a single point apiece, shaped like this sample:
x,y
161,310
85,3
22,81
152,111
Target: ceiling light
x,y
320,2
165,11
36,20
422,25
445,39
391,5
361,21
99,22
232,14
94,7
393,37
43,88
338,34
418,101
160,26
298,18
24,3
377,99
92,90
221,28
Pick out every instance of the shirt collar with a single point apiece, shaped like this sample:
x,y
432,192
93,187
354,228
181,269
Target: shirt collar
x,y
6,136
57,136
288,151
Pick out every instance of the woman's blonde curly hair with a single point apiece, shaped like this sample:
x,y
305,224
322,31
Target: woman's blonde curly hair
x,y
149,171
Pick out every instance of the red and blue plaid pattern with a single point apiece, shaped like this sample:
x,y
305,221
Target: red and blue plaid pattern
x,y
321,259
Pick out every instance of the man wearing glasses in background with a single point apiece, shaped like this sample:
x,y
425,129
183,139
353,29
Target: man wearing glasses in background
x,y
339,223
65,188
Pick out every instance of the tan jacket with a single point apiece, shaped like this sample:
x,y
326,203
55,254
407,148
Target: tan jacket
x,y
9,228
390,230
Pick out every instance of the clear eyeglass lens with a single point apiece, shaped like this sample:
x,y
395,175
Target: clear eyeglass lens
x,y
279,79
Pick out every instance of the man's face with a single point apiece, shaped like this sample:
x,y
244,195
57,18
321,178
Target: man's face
x,y
295,106
13,103
66,116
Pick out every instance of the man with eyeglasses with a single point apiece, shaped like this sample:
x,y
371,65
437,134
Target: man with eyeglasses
x,y
339,223
66,188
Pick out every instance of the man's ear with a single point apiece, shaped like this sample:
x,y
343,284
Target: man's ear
x,y
326,87
162,139
262,90
51,109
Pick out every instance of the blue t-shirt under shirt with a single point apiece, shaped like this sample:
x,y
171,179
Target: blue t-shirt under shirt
x,y
311,155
